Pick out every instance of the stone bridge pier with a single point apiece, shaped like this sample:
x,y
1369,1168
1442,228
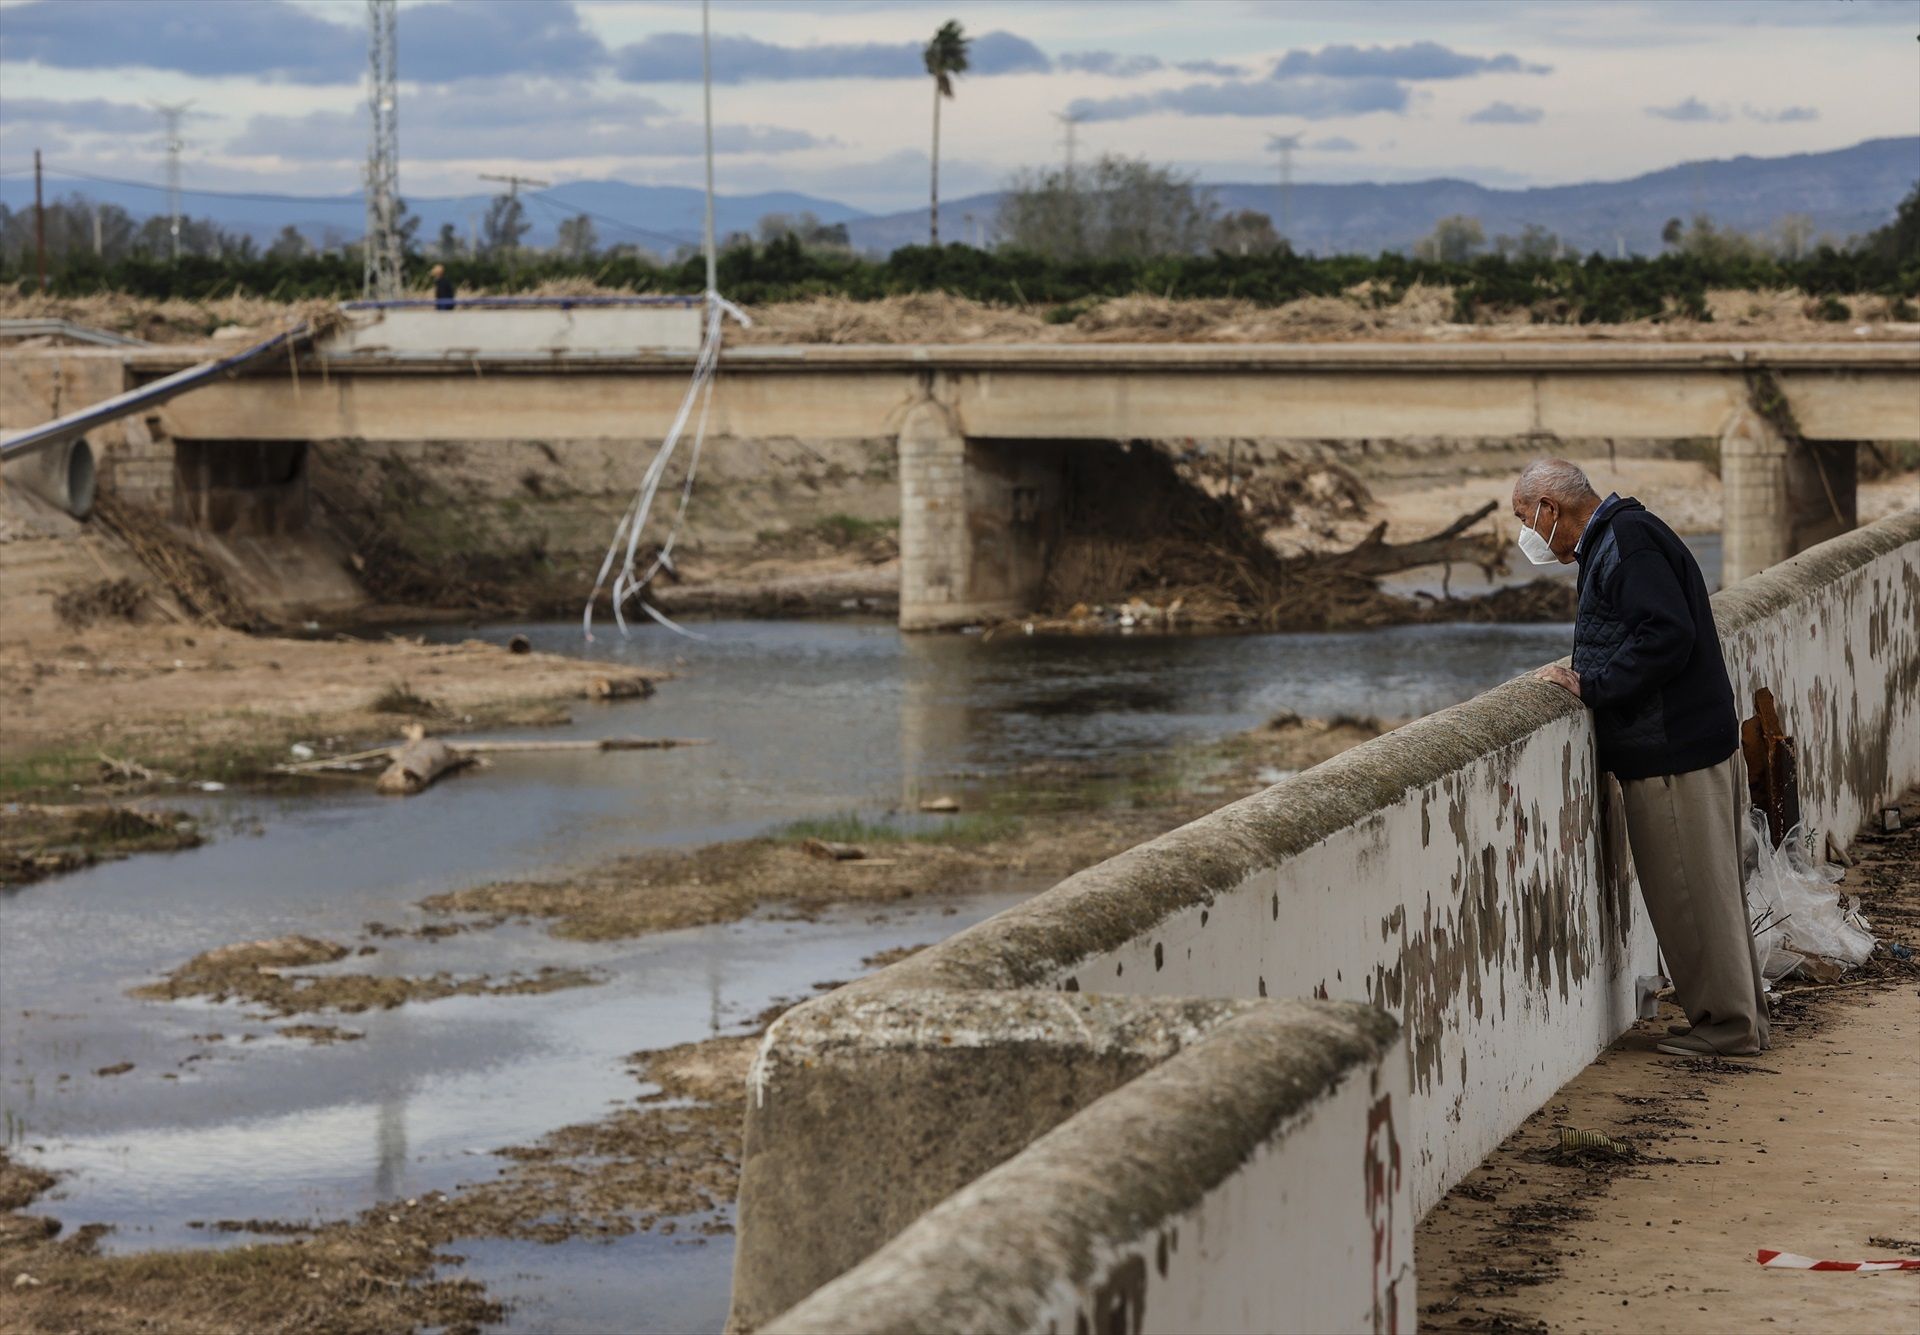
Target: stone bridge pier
x,y
1780,496
978,519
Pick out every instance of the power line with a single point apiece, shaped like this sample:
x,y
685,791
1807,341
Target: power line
x,y
515,182
350,201
562,209
354,200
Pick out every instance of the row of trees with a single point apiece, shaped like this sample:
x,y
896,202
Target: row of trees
x,y
1117,226
1592,289
81,231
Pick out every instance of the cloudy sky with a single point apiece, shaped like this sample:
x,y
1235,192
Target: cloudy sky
x,y
828,96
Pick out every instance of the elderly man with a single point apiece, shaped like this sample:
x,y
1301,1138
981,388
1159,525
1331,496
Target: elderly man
x,y
1646,661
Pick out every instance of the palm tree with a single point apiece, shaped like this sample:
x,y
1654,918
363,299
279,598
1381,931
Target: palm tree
x,y
946,56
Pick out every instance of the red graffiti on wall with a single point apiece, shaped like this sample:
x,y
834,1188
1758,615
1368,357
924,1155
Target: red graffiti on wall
x,y
1382,1171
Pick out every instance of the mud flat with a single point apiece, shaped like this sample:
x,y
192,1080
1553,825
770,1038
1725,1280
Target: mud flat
x,y
213,705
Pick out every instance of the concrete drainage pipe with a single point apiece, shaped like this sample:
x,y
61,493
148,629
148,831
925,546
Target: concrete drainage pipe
x,y
62,475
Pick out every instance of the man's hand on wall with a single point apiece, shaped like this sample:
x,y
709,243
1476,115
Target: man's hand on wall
x,y
1564,677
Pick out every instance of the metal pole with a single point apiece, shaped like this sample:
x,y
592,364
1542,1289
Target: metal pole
x,y
706,81
39,224
381,260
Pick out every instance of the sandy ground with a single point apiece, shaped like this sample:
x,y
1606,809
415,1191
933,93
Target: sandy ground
x,y
200,702
1813,1148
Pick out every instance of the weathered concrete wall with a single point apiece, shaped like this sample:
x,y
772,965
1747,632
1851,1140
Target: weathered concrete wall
x,y
38,385
1467,873
466,334
1251,1182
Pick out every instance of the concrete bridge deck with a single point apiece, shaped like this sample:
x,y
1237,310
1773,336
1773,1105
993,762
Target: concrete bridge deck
x,y
1108,391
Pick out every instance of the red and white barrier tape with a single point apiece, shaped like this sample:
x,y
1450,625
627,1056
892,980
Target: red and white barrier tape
x,y
1788,1261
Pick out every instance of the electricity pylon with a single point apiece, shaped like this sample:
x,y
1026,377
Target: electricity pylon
x,y
172,112
381,280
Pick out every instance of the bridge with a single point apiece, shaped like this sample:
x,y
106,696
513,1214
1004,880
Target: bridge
x,y
984,430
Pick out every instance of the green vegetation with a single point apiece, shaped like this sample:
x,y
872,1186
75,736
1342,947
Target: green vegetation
x,y
400,698
843,530
1529,273
43,771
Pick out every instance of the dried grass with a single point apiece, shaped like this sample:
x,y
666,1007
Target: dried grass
x,y
1362,312
180,568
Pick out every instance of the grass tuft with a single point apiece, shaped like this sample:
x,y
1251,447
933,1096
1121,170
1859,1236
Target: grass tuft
x,y
400,698
982,827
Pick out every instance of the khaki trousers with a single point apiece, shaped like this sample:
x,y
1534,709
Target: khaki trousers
x,y
1688,832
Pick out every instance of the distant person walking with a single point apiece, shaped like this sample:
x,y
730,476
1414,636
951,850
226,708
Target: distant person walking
x,y
442,288
1647,662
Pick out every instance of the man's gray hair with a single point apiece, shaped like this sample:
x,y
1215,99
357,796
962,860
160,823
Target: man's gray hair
x,y
1556,480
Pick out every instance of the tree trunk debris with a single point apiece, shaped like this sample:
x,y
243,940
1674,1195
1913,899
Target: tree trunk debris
x,y
417,764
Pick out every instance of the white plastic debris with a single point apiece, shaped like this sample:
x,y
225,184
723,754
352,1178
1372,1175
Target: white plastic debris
x,y
1797,911
211,786
301,751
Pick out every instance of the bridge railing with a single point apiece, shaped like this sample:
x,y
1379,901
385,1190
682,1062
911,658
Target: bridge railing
x,y
1046,1075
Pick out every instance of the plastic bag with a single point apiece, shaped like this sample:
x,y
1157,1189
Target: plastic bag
x,y
1796,910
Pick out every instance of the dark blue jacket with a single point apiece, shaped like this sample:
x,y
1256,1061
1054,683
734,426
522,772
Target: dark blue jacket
x,y
1645,648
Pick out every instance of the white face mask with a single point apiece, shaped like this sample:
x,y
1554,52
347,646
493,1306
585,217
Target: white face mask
x,y
1535,548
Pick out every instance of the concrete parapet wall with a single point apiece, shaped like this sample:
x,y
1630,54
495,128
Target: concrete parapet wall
x,y
1466,873
1251,1182
467,334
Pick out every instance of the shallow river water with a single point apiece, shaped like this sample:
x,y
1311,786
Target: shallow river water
x,y
805,719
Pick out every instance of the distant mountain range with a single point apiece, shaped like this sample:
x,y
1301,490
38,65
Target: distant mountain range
x,y
1845,192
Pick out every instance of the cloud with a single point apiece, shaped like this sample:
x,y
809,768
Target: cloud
x,y
1783,116
1311,99
1220,68
440,41
1109,63
93,114
1688,109
1418,60
1506,113
238,37
672,57
462,39
1334,143
482,120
